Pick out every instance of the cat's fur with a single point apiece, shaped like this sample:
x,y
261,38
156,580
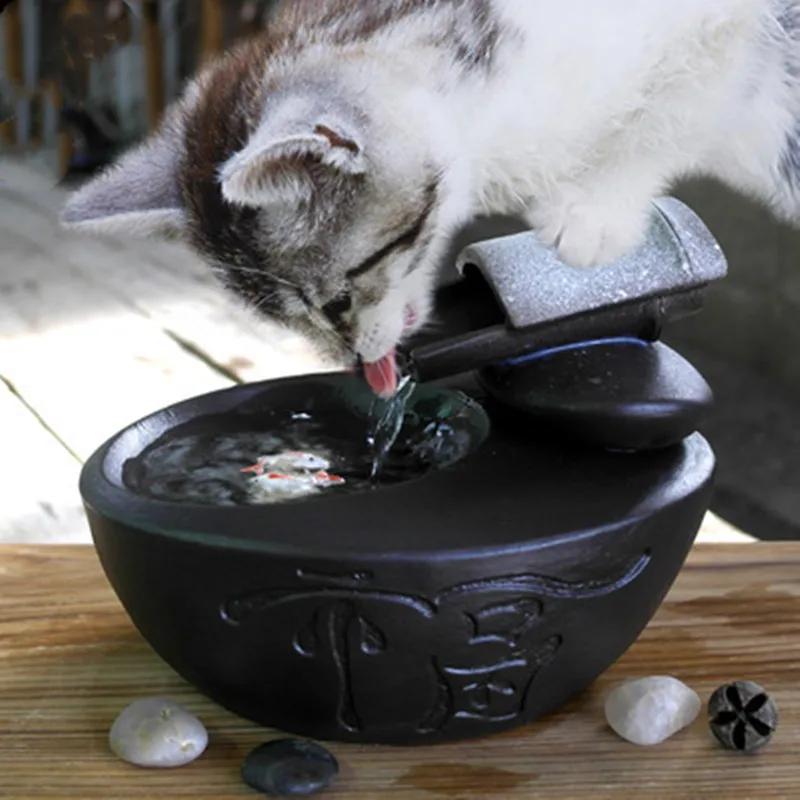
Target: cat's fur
x,y
322,167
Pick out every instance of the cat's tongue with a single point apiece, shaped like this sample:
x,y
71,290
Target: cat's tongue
x,y
381,375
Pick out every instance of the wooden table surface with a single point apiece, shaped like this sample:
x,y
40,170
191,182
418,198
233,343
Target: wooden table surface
x,y
70,660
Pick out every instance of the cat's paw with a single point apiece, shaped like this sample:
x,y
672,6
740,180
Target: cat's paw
x,y
588,232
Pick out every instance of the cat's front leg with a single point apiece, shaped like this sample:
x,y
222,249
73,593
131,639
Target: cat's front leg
x,y
596,222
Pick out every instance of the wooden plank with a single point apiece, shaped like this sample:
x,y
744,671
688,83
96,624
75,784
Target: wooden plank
x,y
64,144
171,41
12,32
154,60
84,361
71,661
212,29
77,8
31,37
75,65
12,46
39,479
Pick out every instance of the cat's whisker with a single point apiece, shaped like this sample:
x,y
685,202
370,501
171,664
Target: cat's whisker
x,y
433,326
239,270
263,301
327,329
258,272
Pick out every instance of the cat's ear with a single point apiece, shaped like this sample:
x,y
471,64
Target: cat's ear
x,y
139,195
279,169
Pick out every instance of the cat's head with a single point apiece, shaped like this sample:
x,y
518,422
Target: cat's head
x,y
318,206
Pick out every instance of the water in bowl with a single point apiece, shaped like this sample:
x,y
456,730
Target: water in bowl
x,y
202,462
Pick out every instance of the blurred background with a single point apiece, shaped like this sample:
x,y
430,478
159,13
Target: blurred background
x,y
95,333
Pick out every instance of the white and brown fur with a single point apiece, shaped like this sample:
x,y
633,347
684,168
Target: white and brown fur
x,y
322,167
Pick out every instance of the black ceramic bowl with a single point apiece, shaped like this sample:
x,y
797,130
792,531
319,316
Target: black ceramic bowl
x,y
465,601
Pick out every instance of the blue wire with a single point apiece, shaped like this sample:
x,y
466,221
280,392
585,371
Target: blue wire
x,y
537,354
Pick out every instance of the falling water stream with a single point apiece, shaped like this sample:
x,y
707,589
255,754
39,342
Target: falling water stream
x,y
385,423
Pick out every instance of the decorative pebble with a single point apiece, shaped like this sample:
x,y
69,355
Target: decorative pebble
x,y
742,716
156,732
289,768
649,710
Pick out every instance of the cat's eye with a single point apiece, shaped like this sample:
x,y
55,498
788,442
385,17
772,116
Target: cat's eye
x,y
336,309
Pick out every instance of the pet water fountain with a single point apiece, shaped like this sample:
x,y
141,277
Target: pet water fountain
x,y
546,487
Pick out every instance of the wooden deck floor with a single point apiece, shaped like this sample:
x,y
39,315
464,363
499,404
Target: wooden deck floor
x,y
95,333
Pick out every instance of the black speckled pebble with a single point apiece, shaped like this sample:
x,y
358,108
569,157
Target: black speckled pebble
x,y
289,768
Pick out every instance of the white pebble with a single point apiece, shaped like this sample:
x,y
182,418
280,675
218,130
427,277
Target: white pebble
x,y
649,710
156,732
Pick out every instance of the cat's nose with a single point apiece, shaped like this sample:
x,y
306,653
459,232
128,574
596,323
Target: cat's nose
x,y
335,310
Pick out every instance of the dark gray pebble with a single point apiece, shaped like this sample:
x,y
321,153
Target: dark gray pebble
x,y
742,716
289,768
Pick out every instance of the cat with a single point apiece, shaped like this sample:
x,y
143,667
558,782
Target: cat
x,y
322,167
